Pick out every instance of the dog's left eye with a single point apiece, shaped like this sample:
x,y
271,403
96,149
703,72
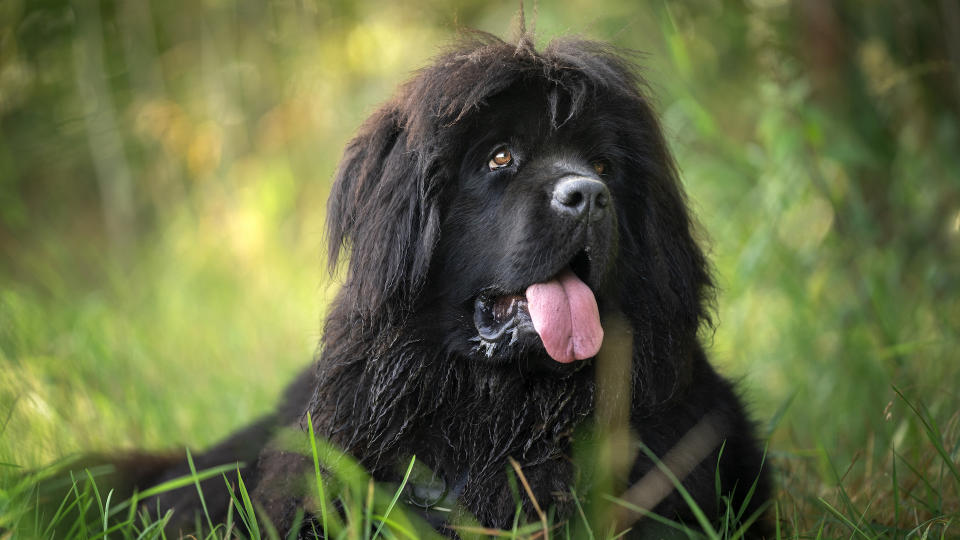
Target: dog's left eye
x,y
500,159
599,167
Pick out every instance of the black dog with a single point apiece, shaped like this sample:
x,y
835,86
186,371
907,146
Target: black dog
x,y
498,213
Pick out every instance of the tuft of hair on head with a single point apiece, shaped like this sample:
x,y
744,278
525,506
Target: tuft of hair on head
x,y
525,40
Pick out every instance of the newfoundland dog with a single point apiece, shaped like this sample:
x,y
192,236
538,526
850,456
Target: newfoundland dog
x,y
512,225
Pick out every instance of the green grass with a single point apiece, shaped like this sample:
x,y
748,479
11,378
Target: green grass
x,y
368,511
163,170
362,508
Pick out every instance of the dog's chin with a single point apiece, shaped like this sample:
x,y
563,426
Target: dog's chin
x,y
524,354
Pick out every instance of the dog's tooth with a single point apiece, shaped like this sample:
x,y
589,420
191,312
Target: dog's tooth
x,y
484,346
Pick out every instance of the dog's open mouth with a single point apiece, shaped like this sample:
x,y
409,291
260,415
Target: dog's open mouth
x,y
562,311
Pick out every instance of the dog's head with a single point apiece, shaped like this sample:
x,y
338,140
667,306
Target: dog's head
x,y
509,200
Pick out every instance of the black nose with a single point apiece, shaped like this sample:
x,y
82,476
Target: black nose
x,y
580,197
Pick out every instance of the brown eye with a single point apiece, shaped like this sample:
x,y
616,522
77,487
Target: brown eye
x,y
500,159
599,166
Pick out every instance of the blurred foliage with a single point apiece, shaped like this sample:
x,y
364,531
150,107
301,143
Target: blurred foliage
x,y
164,168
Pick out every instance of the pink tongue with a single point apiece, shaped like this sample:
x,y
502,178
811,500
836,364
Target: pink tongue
x,y
565,314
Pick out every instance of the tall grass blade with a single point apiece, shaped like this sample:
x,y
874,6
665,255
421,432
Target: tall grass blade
x,y
316,471
753,488
397,527
838,478
649,514
294,532
270,529
701,518
196,482
176,483
586,523
83,504
244,506
933,433
106,509
396,496
368,511
853,526
155,529
895,489
533,499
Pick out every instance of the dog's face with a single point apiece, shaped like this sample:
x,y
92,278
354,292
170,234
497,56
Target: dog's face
x,y
529,236
506,202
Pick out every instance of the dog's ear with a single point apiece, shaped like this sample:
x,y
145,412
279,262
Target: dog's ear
x,y
382,209
669,289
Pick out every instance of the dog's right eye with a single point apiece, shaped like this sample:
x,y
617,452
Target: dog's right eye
x,y
501,158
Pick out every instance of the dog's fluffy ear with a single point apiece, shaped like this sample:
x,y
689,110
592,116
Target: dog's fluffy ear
x,y
382,210
669,289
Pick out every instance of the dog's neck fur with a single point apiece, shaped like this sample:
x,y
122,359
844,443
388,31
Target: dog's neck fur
x,y
395,395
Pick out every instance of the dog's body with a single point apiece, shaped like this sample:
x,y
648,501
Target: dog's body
x,y
501,213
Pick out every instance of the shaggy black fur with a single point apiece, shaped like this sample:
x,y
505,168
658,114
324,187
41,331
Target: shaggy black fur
x,y
430,228
436,238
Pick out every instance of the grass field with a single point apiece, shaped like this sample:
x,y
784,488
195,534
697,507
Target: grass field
x,y
163,174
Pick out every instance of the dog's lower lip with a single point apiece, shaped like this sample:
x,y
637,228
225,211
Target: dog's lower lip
x,y
495,315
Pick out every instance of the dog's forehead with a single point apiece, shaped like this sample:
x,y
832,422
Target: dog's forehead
x,y
516,108
532,112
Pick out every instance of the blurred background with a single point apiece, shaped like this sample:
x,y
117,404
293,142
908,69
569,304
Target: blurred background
x,y
164,168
